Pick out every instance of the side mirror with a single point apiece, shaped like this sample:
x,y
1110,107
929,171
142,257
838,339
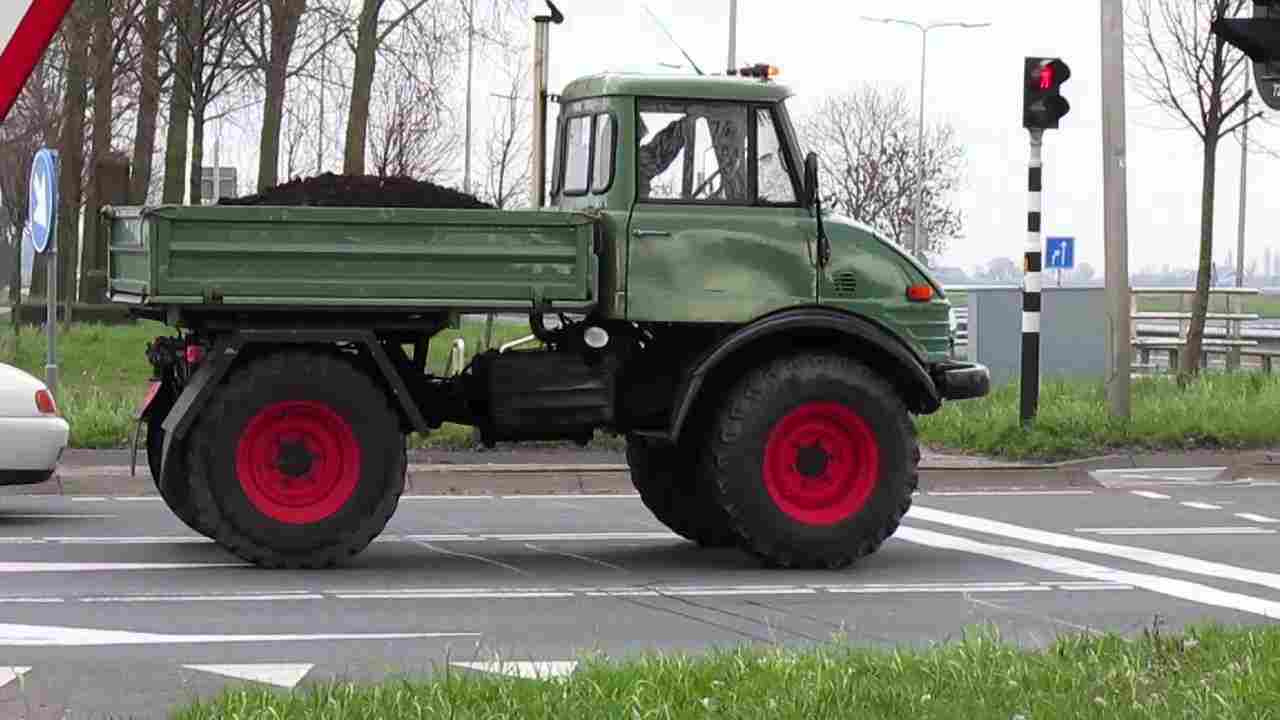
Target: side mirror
x,y
811,179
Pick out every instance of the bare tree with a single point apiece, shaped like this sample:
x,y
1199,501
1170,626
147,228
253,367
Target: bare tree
x,y
1200,80
371,33
507,170
180,14
411,133
205,67
271,53
111,20
32,124
150,36
71,152
867,142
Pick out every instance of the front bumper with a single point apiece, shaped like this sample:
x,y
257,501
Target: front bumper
x,y
962,381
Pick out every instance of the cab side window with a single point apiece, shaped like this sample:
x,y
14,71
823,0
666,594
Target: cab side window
x,y
774,174
693,152
588,156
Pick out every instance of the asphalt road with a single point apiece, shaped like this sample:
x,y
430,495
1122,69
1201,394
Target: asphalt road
x,y
108,607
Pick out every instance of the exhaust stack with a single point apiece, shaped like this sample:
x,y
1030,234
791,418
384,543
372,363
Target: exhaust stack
x,y
541,78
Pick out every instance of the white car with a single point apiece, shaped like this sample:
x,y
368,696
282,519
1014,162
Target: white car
x,y
32,436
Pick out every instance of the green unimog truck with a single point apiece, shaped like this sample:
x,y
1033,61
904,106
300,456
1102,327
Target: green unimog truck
x,y
763,359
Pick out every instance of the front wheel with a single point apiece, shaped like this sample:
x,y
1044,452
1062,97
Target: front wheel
x,y
814,459
298,461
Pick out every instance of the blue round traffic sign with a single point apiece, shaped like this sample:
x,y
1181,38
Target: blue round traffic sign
x,y
44,199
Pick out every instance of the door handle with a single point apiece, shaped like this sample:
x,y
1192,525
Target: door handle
x,y
650,233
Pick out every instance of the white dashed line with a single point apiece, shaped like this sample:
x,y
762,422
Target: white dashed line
x,y
1252,517
1234,530
1201,505
1009,493
1149,495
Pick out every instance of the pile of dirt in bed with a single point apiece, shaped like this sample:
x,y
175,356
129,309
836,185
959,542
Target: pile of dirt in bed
x,y
330,190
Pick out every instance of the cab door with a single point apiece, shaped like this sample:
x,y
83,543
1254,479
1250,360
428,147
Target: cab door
x,y
717,233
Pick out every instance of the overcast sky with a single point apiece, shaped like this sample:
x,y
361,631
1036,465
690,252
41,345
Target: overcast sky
x,y
973,82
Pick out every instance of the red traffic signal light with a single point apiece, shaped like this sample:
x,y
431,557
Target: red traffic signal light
x,y
1042,103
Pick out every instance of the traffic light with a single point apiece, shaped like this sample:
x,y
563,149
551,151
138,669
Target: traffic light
x,y
1259,38
1042,103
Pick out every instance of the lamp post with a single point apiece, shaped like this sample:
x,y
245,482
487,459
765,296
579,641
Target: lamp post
x,y
924,48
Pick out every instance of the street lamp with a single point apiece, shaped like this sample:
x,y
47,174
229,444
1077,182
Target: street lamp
x,y
924,46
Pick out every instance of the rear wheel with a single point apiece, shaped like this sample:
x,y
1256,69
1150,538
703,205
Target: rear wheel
x,y
814,460
298,462
667,479
174,490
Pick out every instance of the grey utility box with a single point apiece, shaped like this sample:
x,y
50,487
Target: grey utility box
x,y
1072,332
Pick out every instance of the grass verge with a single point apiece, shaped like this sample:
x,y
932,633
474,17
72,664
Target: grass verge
x,y
1216,411
103,374
1209,672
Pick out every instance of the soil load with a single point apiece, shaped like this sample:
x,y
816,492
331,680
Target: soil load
x,y
330,190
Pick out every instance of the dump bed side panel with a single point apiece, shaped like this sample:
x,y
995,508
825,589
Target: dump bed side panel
x,y
355,256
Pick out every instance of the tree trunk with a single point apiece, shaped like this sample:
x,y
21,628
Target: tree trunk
x,y
93,287
71,148
1200,303
175,155
144,138
285,17
195,190
353,162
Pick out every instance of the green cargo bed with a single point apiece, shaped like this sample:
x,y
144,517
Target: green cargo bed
x,y
358,257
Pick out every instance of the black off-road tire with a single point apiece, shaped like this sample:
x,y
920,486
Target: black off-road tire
x,y
176,494
824,387
667,479
364,416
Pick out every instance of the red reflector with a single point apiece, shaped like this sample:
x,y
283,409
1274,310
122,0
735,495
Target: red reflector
x,y
920,293
195,354
45,403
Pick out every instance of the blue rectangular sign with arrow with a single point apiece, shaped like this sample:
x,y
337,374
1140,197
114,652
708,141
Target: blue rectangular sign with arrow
x,y
1060,253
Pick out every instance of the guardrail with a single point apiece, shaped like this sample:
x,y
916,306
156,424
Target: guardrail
x,y
1226,333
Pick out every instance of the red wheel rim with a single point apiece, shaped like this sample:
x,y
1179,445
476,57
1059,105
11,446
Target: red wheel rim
x,y
298,461
821,463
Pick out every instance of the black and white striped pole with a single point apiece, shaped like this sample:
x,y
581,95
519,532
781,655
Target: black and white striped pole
x,y
1042,107
1032,262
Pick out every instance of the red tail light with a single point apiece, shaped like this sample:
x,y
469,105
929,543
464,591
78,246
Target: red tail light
x,y
920,293
45,403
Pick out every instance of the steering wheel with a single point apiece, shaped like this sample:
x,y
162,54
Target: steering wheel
x,y
703,186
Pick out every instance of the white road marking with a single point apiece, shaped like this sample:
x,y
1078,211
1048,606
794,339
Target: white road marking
x,y
1253,517
49,567
618,496
285,675
248,597
128,540
55,516
30,600
961,588
547,537
1181,589
447,595
1149,495
543,670
1233,530
20,541
88,498
1008,493
434,538
139,498
1166,560
60,636
9,673
1092,586
446,497
1201,505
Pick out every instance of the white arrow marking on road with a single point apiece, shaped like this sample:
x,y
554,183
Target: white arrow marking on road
x,y
9,674
50,567
59,636
283,675
543,670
